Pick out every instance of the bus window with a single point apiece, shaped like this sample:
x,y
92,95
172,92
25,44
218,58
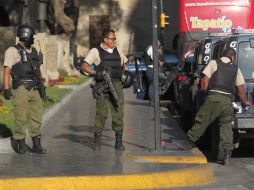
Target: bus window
x,y
245,60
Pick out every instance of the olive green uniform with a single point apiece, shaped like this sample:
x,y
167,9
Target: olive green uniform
x,y
105,102
27,104
28,111
218,104
215,106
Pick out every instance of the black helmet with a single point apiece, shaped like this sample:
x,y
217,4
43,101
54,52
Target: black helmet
x,y
25,32
127,79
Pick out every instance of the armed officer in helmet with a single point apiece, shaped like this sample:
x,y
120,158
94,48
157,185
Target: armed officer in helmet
x,y
22,62
221,77
107,57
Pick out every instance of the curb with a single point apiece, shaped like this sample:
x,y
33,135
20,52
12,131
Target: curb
x,y
200,175
196,158
5,143
55,108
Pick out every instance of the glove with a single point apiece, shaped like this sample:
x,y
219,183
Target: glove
x,y
98,76
7,94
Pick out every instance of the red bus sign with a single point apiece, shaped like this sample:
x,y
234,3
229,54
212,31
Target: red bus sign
x,y
214,15
200,17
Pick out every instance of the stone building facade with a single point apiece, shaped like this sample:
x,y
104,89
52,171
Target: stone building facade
x,y
132,20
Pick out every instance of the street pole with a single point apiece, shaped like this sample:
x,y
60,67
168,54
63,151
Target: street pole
x,y
157,126
24,18
42,14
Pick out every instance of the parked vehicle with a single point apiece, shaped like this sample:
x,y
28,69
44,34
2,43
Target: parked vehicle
x,y
219,16
187,92
243,43
216,16
212,48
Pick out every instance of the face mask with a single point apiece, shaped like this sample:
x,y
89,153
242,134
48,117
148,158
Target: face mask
x,y
27,42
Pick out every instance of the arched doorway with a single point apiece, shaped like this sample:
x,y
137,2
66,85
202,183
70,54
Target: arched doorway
x,y
4,21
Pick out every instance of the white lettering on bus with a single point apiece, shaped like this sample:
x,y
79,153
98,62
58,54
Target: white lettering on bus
x,y
207,52
205,24
233,44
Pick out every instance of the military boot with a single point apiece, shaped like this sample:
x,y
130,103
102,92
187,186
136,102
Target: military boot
x,y
97,141
227,157
37,148
19,146
119,142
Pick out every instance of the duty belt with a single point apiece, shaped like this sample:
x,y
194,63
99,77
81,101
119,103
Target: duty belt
x,y
218,93
27,83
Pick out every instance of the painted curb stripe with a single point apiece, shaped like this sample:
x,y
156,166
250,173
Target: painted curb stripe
x,y
199,175
196,157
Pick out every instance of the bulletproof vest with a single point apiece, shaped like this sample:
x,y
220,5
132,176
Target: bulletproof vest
x,y
23,69
148,60
111,62
224,78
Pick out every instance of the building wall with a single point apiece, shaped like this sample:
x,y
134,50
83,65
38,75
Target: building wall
x,y
132,20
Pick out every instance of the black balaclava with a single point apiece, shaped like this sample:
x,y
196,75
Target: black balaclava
x,y
28,42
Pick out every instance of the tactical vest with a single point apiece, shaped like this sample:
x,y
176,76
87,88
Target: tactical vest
x,y
111,62
24,72
224,78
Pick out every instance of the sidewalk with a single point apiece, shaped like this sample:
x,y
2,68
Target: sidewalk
x,y
72,164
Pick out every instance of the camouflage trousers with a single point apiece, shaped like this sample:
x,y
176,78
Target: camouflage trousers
x,y
106,103
28,112
215,106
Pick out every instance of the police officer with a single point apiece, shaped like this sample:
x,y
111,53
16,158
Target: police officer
x,y
107,56
149,70
22,62
221,76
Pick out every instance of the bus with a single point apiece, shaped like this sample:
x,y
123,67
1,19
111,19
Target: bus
x,y
198,18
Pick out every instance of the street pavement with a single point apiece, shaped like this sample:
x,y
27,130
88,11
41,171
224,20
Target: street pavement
x,y
71,163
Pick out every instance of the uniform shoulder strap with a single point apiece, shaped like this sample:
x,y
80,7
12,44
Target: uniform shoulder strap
x,y
101,55
100,50
17,46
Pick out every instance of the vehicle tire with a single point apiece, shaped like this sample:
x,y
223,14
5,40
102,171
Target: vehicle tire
x,y
176,94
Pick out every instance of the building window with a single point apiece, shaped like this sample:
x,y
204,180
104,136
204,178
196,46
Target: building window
x,y
96,25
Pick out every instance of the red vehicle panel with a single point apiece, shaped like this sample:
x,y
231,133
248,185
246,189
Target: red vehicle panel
x,y
200,17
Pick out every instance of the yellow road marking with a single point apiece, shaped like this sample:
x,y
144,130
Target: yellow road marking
x,y
202,174
196,157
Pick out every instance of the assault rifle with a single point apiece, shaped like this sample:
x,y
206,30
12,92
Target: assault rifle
x,y
37,79
104,87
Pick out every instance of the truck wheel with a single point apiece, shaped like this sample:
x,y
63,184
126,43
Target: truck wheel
x,y
176,94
